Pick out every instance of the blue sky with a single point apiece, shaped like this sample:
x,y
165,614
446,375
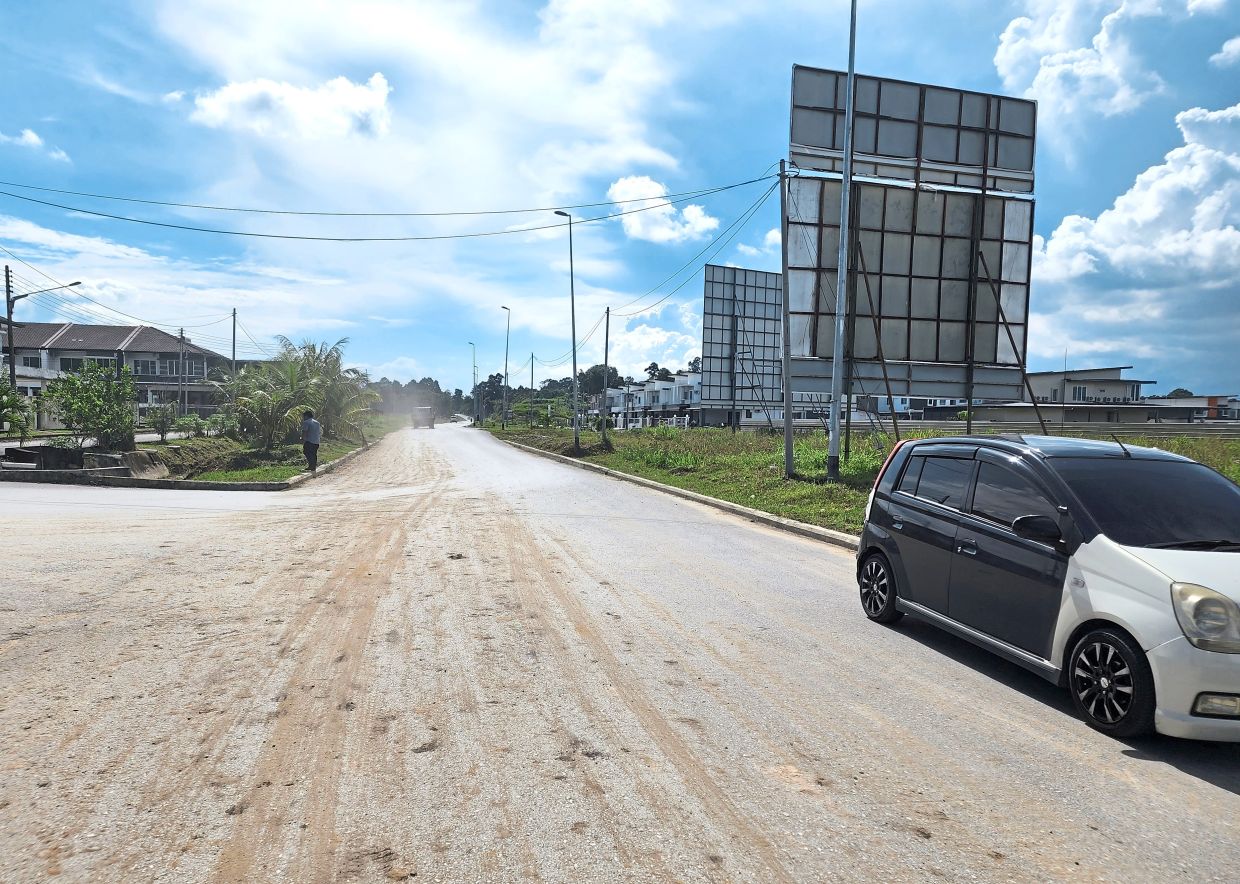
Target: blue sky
x,y
377,106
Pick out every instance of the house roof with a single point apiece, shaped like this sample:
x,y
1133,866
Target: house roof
x,y
75,336
1072,370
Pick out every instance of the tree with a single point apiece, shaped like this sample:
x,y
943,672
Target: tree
x,y
695,364
95,403
590,381
161,418
20,413
1180,393
654,373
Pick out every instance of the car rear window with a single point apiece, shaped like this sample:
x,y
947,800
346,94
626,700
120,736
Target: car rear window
x,y
944,480
1140,502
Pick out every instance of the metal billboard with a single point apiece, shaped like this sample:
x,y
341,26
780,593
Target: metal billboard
x,y
922,271
913,131
741,338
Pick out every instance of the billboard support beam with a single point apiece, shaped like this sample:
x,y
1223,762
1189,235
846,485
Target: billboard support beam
x,y
837,376
1024,375
787,327
878,340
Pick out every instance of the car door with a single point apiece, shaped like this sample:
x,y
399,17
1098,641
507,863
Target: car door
x,y
1006,586
925,518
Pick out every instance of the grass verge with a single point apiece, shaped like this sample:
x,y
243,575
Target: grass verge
x,y
747,468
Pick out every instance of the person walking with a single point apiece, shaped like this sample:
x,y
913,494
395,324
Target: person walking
x,y
311,435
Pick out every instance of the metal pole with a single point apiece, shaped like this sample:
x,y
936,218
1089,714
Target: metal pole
x,y
572,302
503,416
8,304
603,410
1024,376
841,287
473,393
787,325
181,374
234,349
531,415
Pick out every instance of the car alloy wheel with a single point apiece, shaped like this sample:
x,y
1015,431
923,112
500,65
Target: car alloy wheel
x,y
1111,684
878,591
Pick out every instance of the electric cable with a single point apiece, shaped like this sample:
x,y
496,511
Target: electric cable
x,y
660,202
688,194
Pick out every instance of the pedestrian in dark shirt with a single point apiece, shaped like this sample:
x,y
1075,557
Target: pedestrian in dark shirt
x,y
311,435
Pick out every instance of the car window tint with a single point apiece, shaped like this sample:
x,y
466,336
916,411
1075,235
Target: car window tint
x,y
1137,502
912,472
1003,495
943,480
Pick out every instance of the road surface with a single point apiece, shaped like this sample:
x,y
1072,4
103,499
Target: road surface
x,y
454,660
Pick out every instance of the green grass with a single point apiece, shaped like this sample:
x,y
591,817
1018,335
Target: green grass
x,y
748,468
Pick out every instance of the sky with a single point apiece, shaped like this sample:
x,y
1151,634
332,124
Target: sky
x,y
395,106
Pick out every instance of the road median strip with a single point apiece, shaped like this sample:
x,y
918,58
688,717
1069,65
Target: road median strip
x,y
813,532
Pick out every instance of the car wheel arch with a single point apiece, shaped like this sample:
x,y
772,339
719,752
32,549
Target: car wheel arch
x,y
1084,628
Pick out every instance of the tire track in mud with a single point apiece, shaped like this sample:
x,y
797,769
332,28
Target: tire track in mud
x,y
697,778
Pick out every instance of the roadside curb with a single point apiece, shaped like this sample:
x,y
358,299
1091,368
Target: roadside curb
x,y
96,477
813,532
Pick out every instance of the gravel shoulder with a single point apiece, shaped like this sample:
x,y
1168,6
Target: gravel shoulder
x,y
456,660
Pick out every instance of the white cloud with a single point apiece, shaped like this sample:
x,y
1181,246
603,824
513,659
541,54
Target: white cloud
x,y
640,344
1074,58
660,221
1228,55
1195,6
768,248
1153,275
402,368
172,97
266,107
31,139
390,322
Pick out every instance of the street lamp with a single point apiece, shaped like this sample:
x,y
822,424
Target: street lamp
x,y
9,300
572,302
474,392
503,417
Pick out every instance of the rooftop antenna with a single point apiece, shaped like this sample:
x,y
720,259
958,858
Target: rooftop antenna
x,y
1127,453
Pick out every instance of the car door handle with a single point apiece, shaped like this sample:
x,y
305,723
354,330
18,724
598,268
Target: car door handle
x,y
968,547
897,524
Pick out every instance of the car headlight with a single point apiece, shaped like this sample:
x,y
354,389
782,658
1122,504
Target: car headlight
x,y
1209,619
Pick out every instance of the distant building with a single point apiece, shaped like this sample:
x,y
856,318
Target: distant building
x,y
1086,386
46,350
1221,407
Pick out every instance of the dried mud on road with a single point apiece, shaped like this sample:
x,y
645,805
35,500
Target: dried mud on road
x,y
393,674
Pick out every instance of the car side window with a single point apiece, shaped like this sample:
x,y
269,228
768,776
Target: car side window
x,y
912,472
944,480
1003,495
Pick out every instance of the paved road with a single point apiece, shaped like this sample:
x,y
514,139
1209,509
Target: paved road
x,y
459,660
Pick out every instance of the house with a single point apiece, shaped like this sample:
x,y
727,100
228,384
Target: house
x,y
46,350
1086,386
1219,407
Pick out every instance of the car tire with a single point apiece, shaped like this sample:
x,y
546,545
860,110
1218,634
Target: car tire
x,y
1111,683
878,589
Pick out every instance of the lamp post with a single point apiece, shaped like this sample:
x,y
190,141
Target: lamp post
x,y
9,300
503,416
474,392
572,304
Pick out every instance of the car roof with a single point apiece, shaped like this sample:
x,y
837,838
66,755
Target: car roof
x,y
1059,446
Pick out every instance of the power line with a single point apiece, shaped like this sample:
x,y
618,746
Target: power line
x,y
688,194
753,210
661,202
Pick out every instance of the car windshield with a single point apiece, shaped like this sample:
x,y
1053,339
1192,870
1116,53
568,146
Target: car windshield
x,y
1164,503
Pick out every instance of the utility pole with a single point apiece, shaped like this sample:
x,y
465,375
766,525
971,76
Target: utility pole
x,y
181,374
784,184
8,305
234,349
474,392
503,415
531,389
604,411
845,253
572,301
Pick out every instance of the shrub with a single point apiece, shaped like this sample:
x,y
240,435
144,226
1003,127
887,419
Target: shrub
x,y
191,424
95,402
162,418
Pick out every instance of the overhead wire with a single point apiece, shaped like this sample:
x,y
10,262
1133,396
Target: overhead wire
x,y
688,194
658,202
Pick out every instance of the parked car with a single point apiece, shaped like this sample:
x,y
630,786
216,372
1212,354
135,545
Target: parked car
x,y
1110,569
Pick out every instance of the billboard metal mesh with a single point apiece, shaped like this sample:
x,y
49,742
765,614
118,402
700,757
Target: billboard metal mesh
x,y
916,257
741,338
914,131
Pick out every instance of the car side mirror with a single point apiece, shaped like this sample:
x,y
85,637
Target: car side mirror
x,y
1043,529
